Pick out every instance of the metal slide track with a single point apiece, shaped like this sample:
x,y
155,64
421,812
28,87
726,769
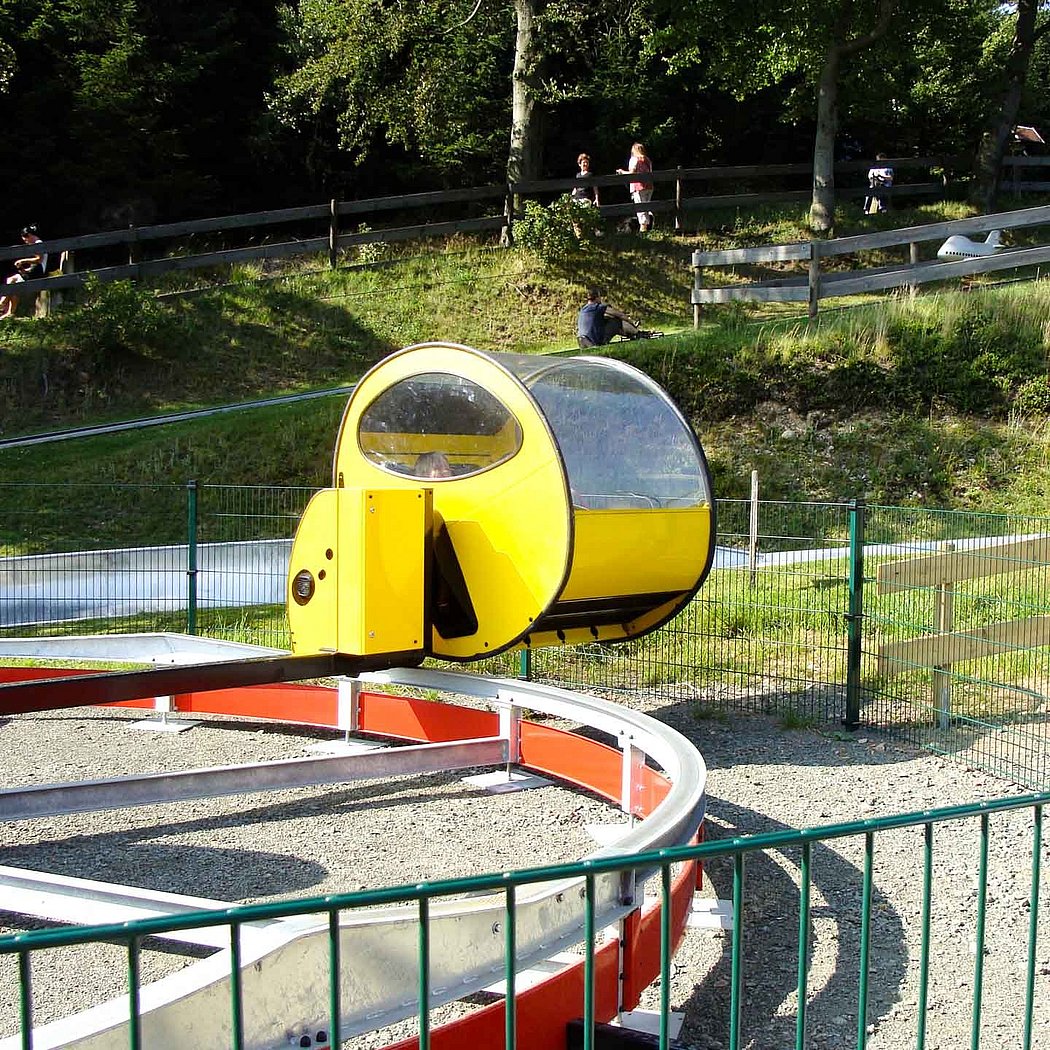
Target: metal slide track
x,y
284,964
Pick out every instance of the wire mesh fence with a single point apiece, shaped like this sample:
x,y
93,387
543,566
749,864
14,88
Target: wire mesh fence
x,y
118,559
933,625
243,539
766,633
957,631
91,558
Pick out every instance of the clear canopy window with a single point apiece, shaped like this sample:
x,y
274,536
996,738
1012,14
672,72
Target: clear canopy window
x,y
624,443
437,426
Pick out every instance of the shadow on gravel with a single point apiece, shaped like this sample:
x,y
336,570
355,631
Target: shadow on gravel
x,y
136,857
201,871
771,946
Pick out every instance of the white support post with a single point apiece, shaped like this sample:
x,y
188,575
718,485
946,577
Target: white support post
x,y
510,730
163,706
348,711
348,719
508,779
630,774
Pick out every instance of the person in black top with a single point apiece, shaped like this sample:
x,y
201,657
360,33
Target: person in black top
x,y
597,323
585,194
34,265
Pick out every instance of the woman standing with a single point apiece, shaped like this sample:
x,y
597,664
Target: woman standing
x,y
641,191
585,194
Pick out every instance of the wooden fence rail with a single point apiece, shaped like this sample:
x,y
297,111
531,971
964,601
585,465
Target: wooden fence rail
x,y
336,218
817,284
947,643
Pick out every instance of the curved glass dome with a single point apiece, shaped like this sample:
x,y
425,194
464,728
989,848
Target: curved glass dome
x,y
624,442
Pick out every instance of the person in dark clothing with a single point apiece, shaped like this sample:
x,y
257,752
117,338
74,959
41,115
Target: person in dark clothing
x,y
584,194
34,265
597,323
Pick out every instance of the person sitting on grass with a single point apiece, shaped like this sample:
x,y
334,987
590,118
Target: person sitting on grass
x,y
597,323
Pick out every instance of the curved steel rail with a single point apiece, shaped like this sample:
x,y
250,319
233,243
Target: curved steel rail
x,y
191,1006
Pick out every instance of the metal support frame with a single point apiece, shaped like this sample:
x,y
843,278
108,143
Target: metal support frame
x,y
550,915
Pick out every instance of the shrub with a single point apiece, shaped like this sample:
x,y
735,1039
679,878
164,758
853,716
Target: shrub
x,y
970,361
559,231
1033,397
372,251
115,319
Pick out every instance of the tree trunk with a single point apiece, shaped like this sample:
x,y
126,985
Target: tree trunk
x,y
822,208
1002,121
526,142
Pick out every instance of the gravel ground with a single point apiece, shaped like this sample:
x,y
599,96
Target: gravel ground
x,y
761,778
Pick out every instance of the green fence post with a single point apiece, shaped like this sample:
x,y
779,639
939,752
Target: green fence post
x,y
855,615
525,665
191,557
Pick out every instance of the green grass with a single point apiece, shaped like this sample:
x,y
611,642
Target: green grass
x,y
942,400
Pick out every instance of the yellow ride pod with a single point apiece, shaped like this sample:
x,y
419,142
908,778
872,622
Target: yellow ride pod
x,y
570,499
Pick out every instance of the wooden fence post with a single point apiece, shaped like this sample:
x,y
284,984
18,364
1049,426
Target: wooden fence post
x,y
133,245
814,277
333,233
913,260
678,199
46,301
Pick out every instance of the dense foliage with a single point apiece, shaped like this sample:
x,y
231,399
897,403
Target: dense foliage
x,y
120,111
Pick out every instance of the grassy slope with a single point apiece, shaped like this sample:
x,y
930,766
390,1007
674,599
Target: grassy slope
x,y
869,402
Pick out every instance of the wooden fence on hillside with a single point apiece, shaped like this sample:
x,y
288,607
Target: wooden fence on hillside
x,y
817,284
337,226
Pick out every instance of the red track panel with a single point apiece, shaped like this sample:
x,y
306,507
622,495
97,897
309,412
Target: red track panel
x,y
424,720
312,705
543,1011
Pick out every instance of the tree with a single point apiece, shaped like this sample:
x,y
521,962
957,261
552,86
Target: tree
x,y
425,87
1003,117
809,51
127,110
847,37
438,86
526,139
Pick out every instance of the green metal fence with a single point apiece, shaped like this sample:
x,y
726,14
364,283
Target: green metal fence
x,y
1017,1022
794,618
767,631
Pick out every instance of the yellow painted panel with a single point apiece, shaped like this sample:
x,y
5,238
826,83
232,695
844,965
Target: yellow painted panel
x,y
619,552
364,553
510,526
392,563
313,625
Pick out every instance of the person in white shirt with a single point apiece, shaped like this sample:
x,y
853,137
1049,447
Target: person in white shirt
x,y
879,177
